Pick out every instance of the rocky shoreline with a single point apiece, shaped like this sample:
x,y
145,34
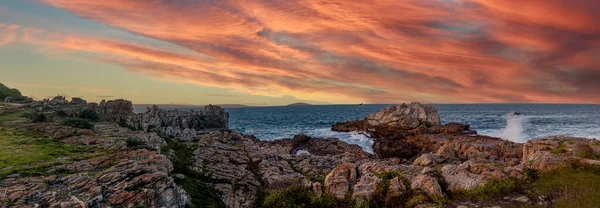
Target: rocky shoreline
x,y
163,158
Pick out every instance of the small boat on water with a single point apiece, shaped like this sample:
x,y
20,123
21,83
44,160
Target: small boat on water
x,y
360,105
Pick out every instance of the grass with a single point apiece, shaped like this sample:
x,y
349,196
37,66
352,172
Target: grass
x,y
13,116
29,154
559,150
493,188
298,196
575,185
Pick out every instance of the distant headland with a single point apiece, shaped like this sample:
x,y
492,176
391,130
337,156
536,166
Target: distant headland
x,y
299,104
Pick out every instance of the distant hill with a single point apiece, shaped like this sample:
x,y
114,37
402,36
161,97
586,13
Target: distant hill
x,y
299,104
9,92
188,106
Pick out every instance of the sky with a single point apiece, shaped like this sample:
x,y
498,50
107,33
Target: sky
x,y
276,52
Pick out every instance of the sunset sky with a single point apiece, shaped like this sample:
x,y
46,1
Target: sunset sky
x,y
275,52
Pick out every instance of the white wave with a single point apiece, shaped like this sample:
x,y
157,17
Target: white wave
x,y
360,139
514,130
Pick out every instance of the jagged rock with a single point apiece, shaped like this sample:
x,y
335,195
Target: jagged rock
x,y
482,147
395,116
115,110
58,100
460,179
184,125
340,179
552,152
396,188
78,101
428,182
328,146
365,188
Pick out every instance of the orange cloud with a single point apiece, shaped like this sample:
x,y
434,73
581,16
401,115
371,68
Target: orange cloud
x,y
381,51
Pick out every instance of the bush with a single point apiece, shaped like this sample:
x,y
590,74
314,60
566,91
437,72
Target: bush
x,y
40,117
36,117
124,124
79,123
62,113
289,198
89,115
133,143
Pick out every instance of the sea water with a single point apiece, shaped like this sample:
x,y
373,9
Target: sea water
x,y
536,121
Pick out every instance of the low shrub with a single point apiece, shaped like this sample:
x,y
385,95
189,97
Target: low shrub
x,y
89,115
124,124
133,143
40,117
289,198
79,123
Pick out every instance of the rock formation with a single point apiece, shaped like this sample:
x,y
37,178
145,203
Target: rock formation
x,y
163,158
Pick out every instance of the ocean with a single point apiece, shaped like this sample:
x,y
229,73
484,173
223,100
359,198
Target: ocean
x,y
538,120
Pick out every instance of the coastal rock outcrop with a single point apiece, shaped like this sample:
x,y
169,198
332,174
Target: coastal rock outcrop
x,y
184,125
139,177
401,116
552,152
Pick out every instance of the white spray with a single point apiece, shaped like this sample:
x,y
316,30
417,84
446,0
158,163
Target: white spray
x,y
514,128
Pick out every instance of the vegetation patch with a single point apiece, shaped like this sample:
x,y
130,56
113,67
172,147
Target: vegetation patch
x,y
559,150
196,184
298,196
79,123
575,185
29,154
384,185
124,124
133,142
89,115
493,188
36,117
